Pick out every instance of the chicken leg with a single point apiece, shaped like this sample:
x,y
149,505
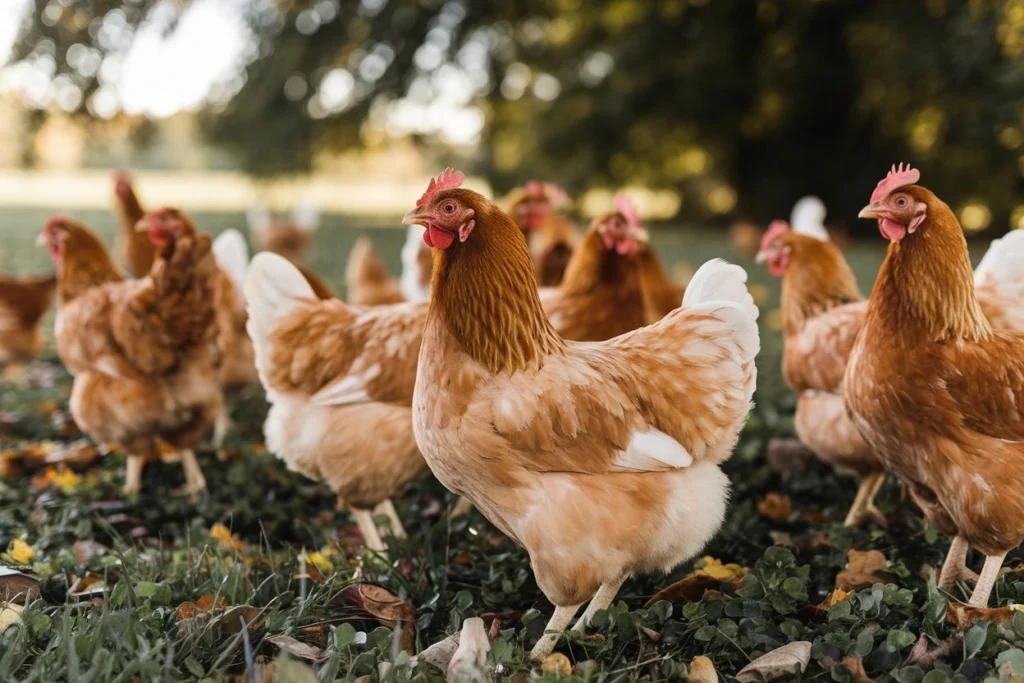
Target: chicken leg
x,y
133,475
601,600
863,508
463,506
387,509
987,580
368,528
553,631
955,569
195,482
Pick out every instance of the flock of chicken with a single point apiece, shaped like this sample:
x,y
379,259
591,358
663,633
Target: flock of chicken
x,y
555,383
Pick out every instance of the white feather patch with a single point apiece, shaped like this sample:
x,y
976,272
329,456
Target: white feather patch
x,y
350,389
652,451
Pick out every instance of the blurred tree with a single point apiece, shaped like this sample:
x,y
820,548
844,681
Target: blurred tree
x,y
742,106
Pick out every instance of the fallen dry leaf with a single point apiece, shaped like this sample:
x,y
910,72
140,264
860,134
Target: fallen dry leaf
x,y
440,653
225,539
20,552
713,568
702,670
775,506
390,610
855,665
690,589
836,596
787,660
209,601
86,550
296,648
87,586
64,479
10,614
15,585
920,654
47,408
964,616
860,570
556,664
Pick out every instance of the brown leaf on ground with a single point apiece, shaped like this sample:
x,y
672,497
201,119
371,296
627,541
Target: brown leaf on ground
x,y
787,660
690,589
775,506
835,597
855,665
702,671
651,634
87,586
861,568
556,664
209,601
296,648
964,616
17,586
87,549
47,408
389,609
921,656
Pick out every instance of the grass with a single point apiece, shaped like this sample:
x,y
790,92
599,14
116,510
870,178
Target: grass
x,y
159,587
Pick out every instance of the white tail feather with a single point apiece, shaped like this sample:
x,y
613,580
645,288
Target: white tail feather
x,y
720,288
808,218
273,289
1003,262
232,255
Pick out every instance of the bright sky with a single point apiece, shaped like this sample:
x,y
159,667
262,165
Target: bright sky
x,y
201,61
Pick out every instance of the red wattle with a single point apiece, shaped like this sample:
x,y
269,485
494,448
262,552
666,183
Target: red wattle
x,y
438,238
892,230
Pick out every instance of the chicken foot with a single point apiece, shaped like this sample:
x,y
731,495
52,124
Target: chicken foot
x,y
133,475
553,631
387,509
863,508
463,506
955,568
601,600
987,580
368,528
195,482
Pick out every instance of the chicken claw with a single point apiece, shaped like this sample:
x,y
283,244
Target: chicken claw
x,y
863,508
987,580
601,600
195,482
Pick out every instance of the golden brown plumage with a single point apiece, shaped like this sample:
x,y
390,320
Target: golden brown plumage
x,y
143,352
661,295
600,458
132,247
23,303
599,297
340,382
550,235
368,281
935,390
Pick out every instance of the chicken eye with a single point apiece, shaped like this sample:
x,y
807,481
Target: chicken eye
x,y
449,207
901,202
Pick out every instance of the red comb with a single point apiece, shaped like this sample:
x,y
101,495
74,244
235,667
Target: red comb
x,y
775,228
896,178
625,206
58,219
535,189
449,179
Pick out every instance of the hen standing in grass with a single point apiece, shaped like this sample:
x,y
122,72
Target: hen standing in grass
x,y
143,352
133,249
600,296
600,458
23,303
339,380
935,390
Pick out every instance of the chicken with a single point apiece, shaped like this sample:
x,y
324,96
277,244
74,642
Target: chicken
x,y
601,459
339,380
232,256
143,353
933,388
600,297
291,239
549,235
368,281
23,303
417,262
822,313
132,247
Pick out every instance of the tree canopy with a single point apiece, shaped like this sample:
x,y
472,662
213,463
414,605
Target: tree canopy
x,y
739,105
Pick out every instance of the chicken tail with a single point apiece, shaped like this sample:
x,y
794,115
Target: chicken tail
x,y
720,288
273,289
232,254
1003,263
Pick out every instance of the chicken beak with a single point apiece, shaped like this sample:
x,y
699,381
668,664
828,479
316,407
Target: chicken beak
x,y
762,257
143,224
870,211
41,240
414,217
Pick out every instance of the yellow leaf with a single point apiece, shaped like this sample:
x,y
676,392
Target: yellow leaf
x,y
67,481
712,567
21,552
320,561
225,538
